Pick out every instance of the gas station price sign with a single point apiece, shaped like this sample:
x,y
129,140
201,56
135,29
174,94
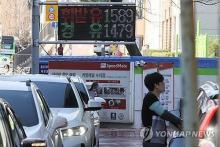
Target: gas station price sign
x,y
104,23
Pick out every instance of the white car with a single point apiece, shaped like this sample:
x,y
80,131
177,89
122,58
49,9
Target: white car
x,y
32,110
64,99
95,114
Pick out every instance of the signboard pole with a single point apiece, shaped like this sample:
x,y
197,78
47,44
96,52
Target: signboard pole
x,y
84,42
55,32
35,37
83,3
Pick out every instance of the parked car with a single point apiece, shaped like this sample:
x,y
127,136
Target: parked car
x,y
33,112
66,100
98,48
12,133
95,114
82,88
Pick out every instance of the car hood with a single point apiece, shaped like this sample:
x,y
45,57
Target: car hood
x,y
34,131
73,115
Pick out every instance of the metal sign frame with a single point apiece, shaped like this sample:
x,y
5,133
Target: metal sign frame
x,y
85,4
36,28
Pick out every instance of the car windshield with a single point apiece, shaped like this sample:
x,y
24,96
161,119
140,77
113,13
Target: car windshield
x,y
58,95
82,92
18,99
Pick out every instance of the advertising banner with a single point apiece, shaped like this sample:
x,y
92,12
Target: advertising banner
x,y
167,98
115,80
166,69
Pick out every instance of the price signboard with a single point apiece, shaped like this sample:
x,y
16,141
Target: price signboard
x,y
104,23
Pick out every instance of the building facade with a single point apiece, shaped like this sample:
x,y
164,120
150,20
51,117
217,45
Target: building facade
x,y
170,24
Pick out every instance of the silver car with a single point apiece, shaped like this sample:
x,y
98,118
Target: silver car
x,y
12,133
68,101
32,110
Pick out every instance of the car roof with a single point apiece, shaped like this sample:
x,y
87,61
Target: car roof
x,y
35,77
14,85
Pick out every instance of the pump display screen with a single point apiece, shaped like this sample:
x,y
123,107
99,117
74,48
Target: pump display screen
x,y
104,23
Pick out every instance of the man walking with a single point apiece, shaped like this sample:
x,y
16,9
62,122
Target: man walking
x,y
153,114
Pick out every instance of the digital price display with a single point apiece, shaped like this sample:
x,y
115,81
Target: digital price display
x,y
104,23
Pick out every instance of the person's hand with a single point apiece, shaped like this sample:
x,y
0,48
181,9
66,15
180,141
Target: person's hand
x,y
180,125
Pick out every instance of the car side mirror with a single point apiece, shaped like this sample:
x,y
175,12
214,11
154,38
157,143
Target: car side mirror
x,y
33,142
177,142
100,100
93,105
59,122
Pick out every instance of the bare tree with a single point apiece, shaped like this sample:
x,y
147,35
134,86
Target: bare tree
x,y
15,17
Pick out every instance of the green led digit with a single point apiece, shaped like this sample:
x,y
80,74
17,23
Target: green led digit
x,y
121,30
67,30
122,16
129,29
106,30
130,15
114,30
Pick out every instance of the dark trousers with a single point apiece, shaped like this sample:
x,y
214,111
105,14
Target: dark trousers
x,y
149,144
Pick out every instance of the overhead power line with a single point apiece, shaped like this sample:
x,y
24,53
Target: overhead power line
x,y
175,4
147,10
206,3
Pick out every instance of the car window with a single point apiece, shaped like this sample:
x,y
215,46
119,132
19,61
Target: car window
x,y
3,133
19,99
58,95
43,108
14,132
17,123
47,109
82,92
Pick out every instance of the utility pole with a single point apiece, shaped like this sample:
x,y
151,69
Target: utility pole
x,y
189,72
218,78
35,37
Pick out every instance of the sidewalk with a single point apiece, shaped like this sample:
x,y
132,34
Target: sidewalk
x,y
120,138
